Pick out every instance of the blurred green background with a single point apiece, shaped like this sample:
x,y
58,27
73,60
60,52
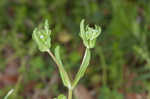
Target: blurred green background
x,y
120,63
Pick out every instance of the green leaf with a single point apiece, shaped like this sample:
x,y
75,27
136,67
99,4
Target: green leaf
x,y
83,67
61,97
63,73
41,36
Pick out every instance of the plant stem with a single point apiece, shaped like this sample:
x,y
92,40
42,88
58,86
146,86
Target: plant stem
x,y
70,94
64,76
53,57
81,72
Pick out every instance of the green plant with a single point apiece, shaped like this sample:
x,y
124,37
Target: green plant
x,y
107,93
41,36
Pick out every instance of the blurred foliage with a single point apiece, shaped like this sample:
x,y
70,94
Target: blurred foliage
x,y
106,93
120,61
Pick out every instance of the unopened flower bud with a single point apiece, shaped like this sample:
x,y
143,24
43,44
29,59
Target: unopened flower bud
x,y
41,36
89,34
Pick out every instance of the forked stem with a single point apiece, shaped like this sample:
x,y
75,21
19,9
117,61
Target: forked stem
x,y
55,60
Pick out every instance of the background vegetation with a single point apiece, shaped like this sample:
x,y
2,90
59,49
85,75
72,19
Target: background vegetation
x,y
120,66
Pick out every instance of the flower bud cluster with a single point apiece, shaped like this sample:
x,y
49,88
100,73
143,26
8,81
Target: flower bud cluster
x,y
41,36
89,34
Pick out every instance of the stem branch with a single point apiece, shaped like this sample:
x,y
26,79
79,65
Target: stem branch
x,y
54,58
82,68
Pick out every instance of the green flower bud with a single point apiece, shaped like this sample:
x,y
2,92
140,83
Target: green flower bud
x,y
89,34
41,36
